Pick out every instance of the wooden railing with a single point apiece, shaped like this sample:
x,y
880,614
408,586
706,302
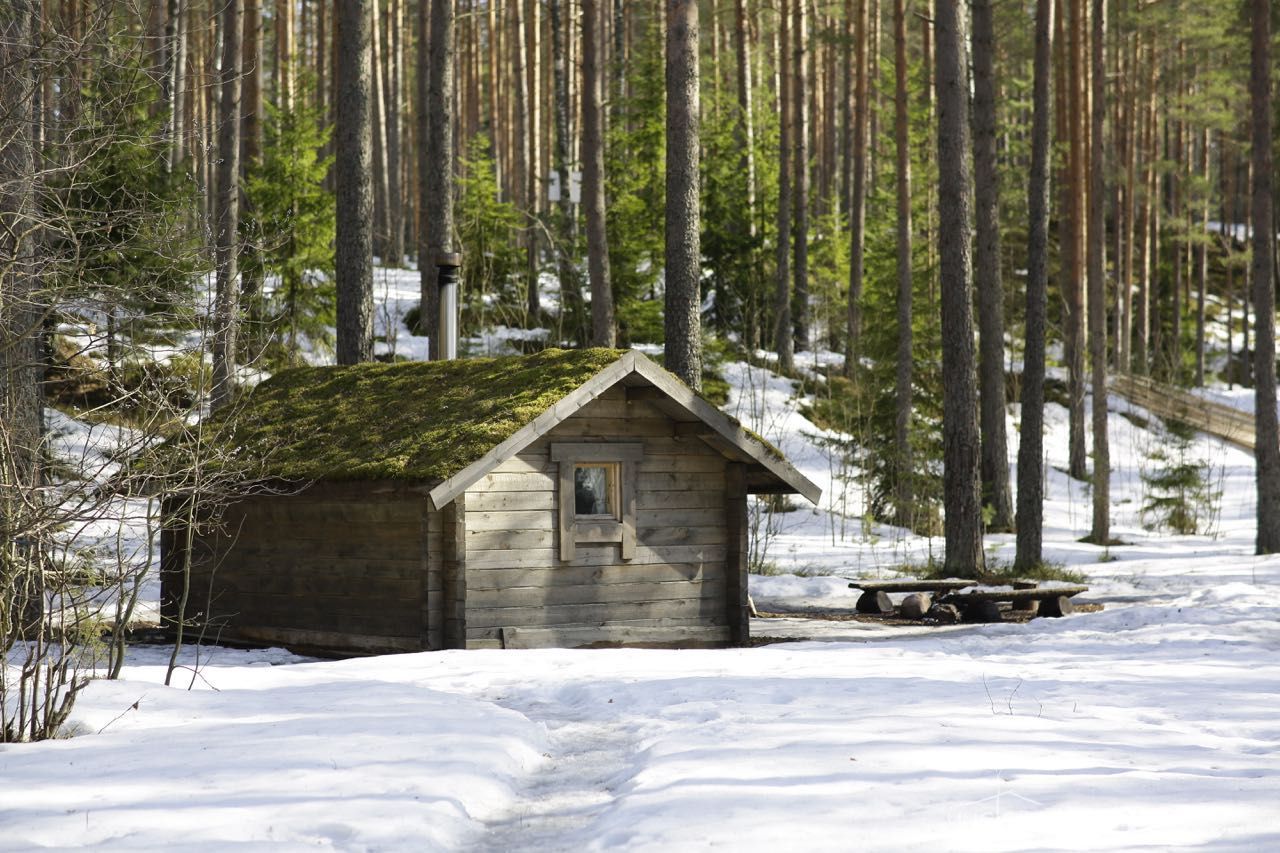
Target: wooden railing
x,y
1225,422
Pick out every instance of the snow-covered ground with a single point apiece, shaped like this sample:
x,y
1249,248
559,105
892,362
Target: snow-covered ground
x,y
1152,724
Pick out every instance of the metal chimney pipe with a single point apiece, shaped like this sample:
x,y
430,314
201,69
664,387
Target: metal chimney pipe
x,y
447,264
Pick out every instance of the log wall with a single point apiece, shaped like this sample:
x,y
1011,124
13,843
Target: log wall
x,y
353,567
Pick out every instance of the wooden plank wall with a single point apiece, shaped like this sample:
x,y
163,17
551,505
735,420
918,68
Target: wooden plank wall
x,y
338,566
518,592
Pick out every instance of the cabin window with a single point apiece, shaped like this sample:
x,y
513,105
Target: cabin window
x,y
595,490
597,495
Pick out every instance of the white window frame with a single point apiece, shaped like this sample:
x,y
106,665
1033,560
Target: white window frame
x,y
597,529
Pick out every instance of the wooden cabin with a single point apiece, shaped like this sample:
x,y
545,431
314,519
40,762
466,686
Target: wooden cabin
x,y
568,498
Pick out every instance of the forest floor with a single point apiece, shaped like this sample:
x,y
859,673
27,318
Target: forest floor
x,y
1149,724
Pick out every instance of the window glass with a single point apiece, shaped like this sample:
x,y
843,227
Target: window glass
x,y
594,489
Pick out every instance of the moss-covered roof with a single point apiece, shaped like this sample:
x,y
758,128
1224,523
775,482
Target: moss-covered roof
x,y
419,421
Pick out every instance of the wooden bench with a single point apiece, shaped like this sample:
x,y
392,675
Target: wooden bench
x,y
875,594
977,605
983,605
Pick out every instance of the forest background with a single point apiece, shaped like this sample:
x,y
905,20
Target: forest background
x,y
946,193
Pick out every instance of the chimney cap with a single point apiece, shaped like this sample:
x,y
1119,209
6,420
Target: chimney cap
x,y
448,259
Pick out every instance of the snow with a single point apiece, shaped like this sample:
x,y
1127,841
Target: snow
x,y
1150,724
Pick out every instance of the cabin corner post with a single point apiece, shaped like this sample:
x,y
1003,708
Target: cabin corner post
x,y
735,504
455,573
431,630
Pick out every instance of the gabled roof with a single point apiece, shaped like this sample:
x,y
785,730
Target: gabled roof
x,y
448,423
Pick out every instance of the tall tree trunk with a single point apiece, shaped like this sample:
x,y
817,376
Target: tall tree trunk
x,y
1097,262
381,176
961,479
571,307
284,54
322,51
252,116
501,163
847,95
523,182
178,126
1030,518
995,449
1074,262
1202,258
1147,265
1265,426
438,179
20,319
228,210
858,211
904,491
683,322
800,225
353,259
252,110
429,298
395,195
155,46
745,127
532,61
603,329
782,338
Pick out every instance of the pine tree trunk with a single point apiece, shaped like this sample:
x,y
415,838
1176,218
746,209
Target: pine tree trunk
x,y
961,479
395,194
995,450
429,298
746,125
800,224
782,340
532,55
682,323
1097,263
571,304
603,328
178,127
353,259
904,491
1074,262
1202,259
20,313
1266,429
284,54
1030,517
252,115
378,128
858,211
847,94
226,299
439,176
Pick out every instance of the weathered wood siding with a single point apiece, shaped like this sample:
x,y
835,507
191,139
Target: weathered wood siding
x,y
338,566
674,590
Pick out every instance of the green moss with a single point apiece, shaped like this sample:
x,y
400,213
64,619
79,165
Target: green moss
x,y
420,421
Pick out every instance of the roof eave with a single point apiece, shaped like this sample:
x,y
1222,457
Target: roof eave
x,y
628,364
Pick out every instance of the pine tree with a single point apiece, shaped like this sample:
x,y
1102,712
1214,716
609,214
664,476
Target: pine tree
x,y
963,508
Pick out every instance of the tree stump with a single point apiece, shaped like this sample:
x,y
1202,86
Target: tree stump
x,y
1028,605
877,603
1058,605
983,611
944,614
915,606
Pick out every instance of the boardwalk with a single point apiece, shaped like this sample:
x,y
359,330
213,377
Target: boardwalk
x,y
1165,401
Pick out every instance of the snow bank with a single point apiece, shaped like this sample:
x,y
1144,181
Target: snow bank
x,y
356,755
